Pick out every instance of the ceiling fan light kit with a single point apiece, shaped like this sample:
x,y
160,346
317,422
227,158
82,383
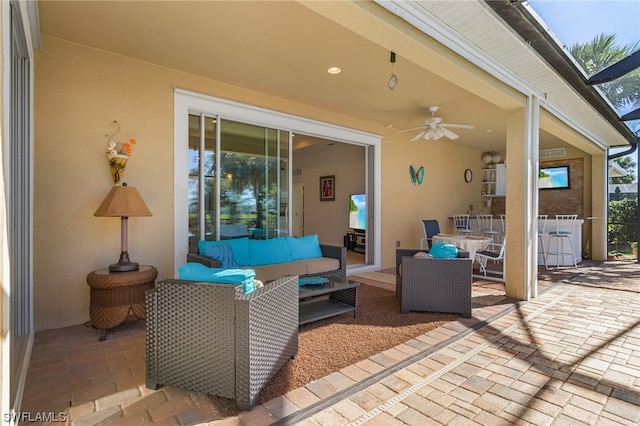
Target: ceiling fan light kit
x,y
434,128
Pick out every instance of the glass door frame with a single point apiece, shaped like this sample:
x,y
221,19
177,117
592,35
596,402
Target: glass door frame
x,y
187,102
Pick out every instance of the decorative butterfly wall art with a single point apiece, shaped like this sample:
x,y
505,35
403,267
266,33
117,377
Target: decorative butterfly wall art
x,y
416,175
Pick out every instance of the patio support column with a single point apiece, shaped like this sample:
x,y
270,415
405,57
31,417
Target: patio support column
x,y
521,261
596,240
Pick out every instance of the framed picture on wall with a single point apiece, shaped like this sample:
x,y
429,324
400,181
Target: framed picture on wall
x,y
327,188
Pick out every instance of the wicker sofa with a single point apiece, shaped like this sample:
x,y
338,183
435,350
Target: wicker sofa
x,y
332,263
213,338
433,285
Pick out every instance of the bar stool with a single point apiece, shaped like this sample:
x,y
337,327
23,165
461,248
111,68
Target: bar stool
x,y
564,231
542,224
461,224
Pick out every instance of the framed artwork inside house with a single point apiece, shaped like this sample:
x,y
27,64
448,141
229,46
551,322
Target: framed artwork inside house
x,y
327,188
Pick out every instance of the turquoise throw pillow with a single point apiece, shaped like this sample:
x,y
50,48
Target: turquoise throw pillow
x,y
194,271
223,253
239,246
306,247
443,251
266,252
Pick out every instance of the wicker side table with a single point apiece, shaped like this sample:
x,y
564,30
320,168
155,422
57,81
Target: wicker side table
x,y
114,294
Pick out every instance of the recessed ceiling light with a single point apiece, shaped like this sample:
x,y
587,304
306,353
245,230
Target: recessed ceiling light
x,y
334,70
489,130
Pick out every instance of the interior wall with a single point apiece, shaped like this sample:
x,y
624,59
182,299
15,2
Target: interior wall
x,y
330,219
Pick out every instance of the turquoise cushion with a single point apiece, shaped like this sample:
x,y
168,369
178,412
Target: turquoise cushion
x,y
312,280
198,272
239,246
223,253
266,252
306,247
443,251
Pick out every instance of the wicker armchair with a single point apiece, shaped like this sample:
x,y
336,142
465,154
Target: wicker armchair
x,y
433,285
213,338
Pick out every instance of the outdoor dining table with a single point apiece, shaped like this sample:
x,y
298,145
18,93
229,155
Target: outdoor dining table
x,y
467,243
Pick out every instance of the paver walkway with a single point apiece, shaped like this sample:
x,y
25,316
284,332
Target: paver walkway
x,y
570,356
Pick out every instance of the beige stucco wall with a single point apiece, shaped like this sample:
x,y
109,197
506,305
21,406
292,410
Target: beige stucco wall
x,y
442,193
78,93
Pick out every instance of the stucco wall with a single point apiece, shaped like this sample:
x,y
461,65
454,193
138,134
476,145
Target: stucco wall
x,y
79,91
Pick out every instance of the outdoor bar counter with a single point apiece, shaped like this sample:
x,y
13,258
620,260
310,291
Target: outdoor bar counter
x,y
576,240
565,260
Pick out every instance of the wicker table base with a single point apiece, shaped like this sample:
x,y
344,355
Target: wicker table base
x,y
114,294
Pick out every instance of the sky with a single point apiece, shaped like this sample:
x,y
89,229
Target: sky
x,y
578,21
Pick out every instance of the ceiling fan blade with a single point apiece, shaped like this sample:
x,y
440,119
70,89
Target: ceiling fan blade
x,y
458,126
448,133
418,136
409,130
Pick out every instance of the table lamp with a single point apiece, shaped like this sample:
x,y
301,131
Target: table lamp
x,y
123,201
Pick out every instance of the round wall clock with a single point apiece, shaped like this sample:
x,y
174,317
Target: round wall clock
x,y
468,175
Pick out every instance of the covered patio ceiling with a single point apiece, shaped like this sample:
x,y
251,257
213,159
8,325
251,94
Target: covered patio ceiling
x,y
284,49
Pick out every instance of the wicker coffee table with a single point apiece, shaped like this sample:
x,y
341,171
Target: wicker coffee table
x,y
320,301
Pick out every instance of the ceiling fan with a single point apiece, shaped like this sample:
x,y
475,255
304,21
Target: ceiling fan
x,y
434,128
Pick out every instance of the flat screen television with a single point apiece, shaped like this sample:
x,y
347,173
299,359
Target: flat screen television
x,y
556,177
358,212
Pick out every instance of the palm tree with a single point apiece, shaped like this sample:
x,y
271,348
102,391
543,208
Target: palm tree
x,y
602,52
624,93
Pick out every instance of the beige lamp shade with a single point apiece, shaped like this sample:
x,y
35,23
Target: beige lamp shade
x,y
123,201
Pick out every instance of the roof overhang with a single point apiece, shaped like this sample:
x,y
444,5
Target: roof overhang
x,y
518,15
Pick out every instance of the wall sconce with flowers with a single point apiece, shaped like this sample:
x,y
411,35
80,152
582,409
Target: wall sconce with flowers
x,y
117,153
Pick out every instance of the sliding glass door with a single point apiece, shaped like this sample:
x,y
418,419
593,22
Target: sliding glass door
x,y
233,175
238,180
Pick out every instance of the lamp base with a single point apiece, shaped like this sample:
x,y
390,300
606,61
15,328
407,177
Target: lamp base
x,y
124,264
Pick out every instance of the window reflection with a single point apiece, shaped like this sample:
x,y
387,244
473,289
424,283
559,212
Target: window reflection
x,y
253,181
